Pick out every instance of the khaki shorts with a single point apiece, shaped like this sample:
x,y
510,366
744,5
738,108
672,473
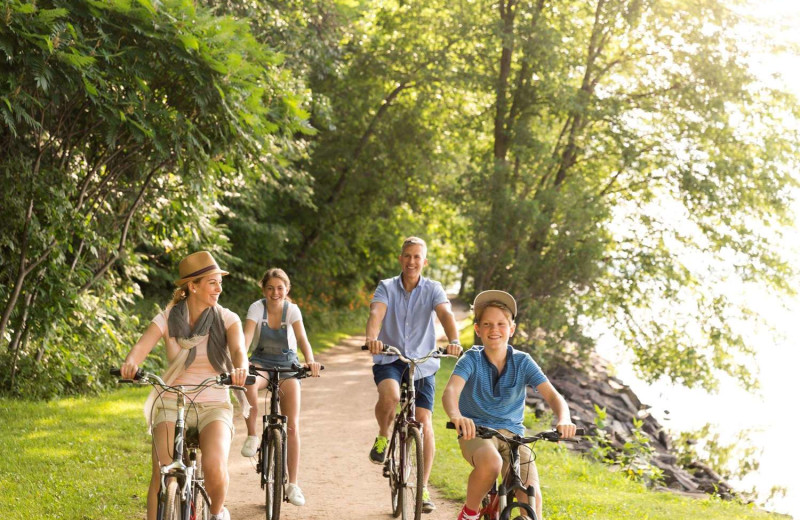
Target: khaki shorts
x,y
198,415
527,467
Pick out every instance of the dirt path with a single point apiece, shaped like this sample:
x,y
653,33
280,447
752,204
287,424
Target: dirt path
x,y
337,430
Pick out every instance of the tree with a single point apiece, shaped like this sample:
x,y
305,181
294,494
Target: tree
x,y
122,124
635,167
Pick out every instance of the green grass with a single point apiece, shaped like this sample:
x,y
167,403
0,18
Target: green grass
x,y
76,458
576,488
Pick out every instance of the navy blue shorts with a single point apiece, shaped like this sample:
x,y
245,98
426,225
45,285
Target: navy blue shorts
x,y
425,388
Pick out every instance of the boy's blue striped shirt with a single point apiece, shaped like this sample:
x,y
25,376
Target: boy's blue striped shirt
x,y
496,401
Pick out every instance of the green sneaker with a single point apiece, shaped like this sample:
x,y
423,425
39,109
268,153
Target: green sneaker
x,y
427,504
378,452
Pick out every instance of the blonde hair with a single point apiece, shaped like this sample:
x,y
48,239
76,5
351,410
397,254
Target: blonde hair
x,y
280,274
414,241
182,292
498,305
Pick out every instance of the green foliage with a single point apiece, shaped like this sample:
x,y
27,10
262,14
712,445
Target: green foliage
x,y
731,460
124,122
633,457
627,169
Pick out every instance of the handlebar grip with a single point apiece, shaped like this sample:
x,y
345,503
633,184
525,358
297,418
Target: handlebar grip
x,y
364,347
580,431
250,380
118,372
450,426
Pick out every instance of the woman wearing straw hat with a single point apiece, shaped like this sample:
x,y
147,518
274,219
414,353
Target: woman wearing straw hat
x,y
202,339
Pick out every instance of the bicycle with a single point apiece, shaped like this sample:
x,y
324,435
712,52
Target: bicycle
x,y
271,462
182,494
501,503
404,465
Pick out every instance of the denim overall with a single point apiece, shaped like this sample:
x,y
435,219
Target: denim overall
x,y
273,345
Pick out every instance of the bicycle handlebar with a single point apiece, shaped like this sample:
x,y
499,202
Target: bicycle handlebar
x,y
146,377
390,350
485,432
299,371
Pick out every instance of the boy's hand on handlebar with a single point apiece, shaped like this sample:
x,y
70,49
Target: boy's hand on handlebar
x,y
128,369
567,430
375,346
465,427
314,368
238,376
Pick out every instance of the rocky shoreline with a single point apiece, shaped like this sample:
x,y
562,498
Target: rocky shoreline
x,y
585,385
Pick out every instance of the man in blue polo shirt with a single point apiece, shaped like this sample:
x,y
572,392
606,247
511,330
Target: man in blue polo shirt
x,y
487,388
401,315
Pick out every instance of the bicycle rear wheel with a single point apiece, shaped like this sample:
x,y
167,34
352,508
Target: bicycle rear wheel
x,y
273,474
412,474
393,463
169,507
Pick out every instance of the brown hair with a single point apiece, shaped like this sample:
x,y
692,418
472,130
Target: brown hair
x,y
498,305
276,272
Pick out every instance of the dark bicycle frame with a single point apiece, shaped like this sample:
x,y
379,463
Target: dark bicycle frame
x,y
406,417
274,423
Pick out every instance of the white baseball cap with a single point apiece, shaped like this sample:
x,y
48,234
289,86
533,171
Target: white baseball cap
x,y
495,296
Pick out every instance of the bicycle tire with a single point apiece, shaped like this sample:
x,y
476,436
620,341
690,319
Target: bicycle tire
x,y
393,460
200,502
412,474
517,510
273,472
170,506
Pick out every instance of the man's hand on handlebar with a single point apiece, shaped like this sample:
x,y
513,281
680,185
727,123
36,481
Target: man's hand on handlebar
x,y
375,346
454,349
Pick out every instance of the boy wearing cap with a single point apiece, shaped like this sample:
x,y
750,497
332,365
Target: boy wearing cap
x,y
487,388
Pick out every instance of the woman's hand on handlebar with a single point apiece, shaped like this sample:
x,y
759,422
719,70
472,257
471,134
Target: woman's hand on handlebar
x,y
238,376
314,368
465,427
128,369
375,346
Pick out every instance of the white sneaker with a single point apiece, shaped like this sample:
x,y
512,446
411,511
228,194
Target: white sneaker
x,y
295,495
250,446
222,515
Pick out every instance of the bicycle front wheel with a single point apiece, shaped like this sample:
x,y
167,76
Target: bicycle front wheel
x,y
200,502
169,507
273,474
518,511
411,474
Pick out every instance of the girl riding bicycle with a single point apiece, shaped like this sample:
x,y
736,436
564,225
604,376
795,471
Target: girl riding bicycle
x,y
275,325
202,339
487,388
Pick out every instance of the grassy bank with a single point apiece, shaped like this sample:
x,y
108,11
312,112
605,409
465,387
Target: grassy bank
x,y
576,488
75,459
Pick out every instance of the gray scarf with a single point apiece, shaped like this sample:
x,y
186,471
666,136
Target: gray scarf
x,y
209,323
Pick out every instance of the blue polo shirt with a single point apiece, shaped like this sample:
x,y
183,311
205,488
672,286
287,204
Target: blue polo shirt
x,y
408,324
492,399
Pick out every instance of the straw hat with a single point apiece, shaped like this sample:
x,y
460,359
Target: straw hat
x,y
197,265
495,296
